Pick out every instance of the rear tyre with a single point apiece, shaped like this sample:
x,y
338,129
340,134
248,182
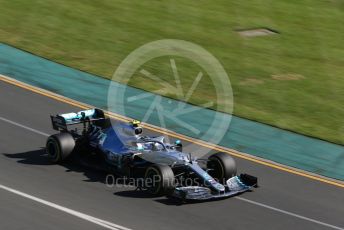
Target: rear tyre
x,y
159,180
221,166
60,146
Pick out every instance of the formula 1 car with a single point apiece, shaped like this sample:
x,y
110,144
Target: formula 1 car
x,y
163,167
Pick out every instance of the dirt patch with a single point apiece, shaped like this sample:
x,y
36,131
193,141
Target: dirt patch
x,y
287,77
251,81
256,32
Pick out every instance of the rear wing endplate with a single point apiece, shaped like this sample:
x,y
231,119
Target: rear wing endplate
x,y
62,121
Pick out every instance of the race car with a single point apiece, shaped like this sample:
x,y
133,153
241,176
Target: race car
x,y
164,169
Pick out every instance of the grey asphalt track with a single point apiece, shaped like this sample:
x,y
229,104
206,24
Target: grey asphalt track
x,y
289,199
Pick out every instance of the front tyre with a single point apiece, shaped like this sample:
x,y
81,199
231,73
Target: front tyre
x,y
60,146
159,180
221,166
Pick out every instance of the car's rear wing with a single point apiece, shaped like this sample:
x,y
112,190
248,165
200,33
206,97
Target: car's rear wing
x,y
62,121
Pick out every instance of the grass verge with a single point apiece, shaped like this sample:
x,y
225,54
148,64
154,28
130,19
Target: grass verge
x,y
293,80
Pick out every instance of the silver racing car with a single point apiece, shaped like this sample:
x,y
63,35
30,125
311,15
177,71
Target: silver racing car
x,y
163,167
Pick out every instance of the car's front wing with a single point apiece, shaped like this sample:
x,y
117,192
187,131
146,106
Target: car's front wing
x,y
234,186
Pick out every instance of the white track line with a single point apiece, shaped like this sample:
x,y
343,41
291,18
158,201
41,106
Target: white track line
x,y
89,218
288,213
110,225
24,127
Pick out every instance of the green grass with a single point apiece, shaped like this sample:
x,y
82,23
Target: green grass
x,y
97,35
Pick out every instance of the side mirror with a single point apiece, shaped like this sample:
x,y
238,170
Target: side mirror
x,y
134,155
178,145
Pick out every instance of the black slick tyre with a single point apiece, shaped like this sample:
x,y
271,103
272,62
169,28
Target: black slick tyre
x,y
159,180
221,166
60,146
